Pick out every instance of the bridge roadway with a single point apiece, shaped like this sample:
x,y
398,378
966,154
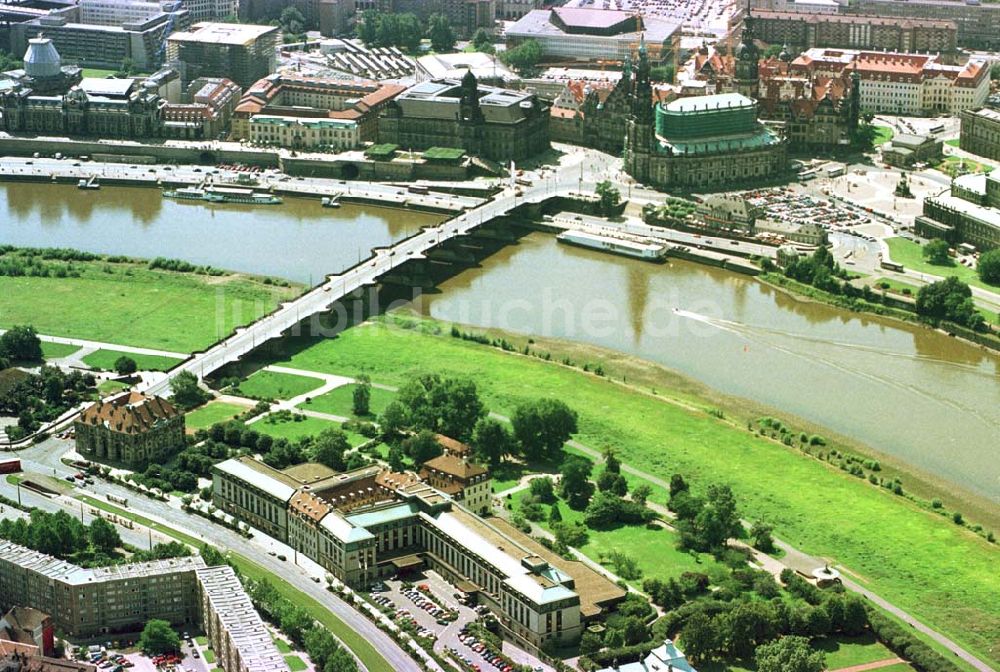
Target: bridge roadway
x,y
322,297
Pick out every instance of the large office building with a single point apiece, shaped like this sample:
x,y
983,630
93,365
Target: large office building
x,y
105,33
240,52
587,34
902,83
89,603
346,110
969,212
497,124
371,523
130,429
978,23
806,30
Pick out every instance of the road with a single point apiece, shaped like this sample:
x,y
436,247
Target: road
x,y
44,458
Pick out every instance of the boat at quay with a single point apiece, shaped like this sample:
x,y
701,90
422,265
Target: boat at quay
x,y
223,195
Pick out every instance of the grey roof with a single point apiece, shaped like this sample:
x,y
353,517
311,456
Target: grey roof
x,y
347,533
41,59
257,478
111,87
703,103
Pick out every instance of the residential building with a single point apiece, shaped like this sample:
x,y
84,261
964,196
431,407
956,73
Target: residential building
x,y
497,124
235,631
207,10
906,149
804,233
242,53
131,429
808,30
728,212
980,132
588,34
328,135
325,108
26,625
703,142
967,213
978,23
20,660
370,523
814,111
206,111
90,603
463,480
902,83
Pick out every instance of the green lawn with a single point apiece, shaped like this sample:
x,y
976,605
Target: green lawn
x,y
954,142
897,549
97,72
653,548
295,664
849,651
282,645
132,305
883,134
211,413
201,640
909,254
896,286
274,385
340,401
109,386
292,430
209,656
57,350
105,360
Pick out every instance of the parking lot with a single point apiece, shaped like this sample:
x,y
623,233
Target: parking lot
x,y
191,659
434,606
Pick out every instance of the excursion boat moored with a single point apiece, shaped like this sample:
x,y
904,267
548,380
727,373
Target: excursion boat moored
x,y
330,201
223,195
636,249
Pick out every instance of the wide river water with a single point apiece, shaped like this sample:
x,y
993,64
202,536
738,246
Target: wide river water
x,y
925,398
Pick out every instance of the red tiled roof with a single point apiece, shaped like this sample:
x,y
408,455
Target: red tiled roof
x,y
131,413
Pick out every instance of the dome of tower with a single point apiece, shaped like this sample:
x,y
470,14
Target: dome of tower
x,y
41,60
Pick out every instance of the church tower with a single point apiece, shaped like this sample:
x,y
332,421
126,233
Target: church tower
x,y
746,75
470,115
639,133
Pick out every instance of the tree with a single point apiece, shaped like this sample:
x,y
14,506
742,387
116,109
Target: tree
x,y
936,252
491,441
541,427
855,617
367,27
482,40
949,299
524,57
699,637
449,406
292,23
641,493
440,33
410,32
590,642
21,344
186,392
555,515
575,486
570,534
422,447
125,366
329,448
989,267
341,661
760,533
104,536
662,73
395,460
158,637
393,420
362,395
609,197
747,625
789,654
677,484
607,509
706,525
542,490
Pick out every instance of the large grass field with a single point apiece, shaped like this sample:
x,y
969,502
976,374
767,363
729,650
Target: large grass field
x,y
654,548
340,401
939,572
276,385
292,430
211,413
129,304
909,254
105,360
850,651
57,350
